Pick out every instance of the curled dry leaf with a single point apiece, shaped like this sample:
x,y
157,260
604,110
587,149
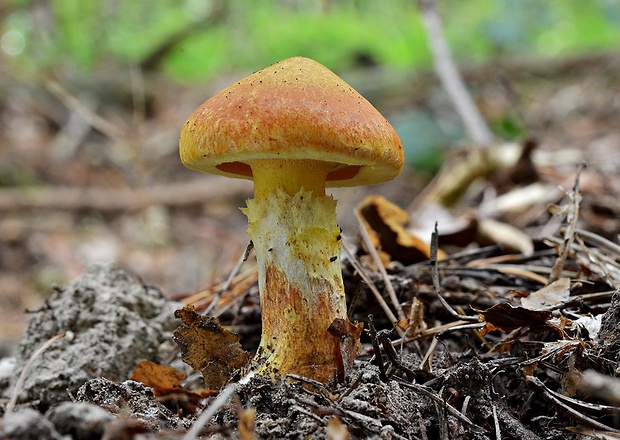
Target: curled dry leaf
x,y
513,238
386,224
208,347
350,346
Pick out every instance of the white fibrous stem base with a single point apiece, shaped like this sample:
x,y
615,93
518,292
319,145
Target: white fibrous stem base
x,y
297,244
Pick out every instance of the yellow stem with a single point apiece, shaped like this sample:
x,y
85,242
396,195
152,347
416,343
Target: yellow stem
x,y
297,243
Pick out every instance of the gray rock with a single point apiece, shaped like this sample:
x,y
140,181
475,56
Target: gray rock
x,y
28,424
111,320
80,421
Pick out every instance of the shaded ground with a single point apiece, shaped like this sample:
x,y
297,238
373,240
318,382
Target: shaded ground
x,y
481,348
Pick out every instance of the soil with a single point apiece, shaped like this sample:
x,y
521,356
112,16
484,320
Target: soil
x,y
486,345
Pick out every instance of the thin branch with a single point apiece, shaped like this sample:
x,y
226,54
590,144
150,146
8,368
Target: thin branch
x,y
376,348
233,273
428,392
450,77
22,377
379,263
93,119
435,279
572,215
120,199
556,400
215,406
364,276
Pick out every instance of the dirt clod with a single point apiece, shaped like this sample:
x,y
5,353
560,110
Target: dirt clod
x,y
111,322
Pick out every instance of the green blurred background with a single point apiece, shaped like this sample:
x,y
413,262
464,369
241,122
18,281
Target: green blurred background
x,y
194,42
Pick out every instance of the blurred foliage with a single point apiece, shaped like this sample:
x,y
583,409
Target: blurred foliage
x,y
195,39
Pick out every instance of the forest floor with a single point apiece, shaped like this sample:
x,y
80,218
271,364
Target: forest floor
x,y
507,316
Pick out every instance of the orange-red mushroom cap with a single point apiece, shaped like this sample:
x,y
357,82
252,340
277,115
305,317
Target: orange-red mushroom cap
x,y
294,109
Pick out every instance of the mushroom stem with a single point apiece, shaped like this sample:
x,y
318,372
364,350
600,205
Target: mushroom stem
x,y
292,223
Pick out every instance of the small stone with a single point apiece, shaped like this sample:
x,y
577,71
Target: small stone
x,y
81,420
27,424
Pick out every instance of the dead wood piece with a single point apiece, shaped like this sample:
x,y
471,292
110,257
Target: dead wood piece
x,y
512,426
450,78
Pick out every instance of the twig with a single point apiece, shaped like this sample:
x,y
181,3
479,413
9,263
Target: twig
x,y
307,413
379,264
94,120
231,277
215,406
360,271
433,331
434,397
427,360
498,431
599,241
450,78
356,383
601,260
572,215
554,399
393,356
435,278
239,290
376,348
22,377
320,387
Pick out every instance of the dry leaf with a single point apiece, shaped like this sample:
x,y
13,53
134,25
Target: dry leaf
x,y
551,295
592,324
162,378
497,232
247,424
506,317
208,347
528,369
350,346
386,225
453,230
166,384
336,430
415,318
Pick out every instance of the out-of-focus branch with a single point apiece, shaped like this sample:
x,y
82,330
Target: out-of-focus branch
x,y
122,199
93,119
456,176
451,80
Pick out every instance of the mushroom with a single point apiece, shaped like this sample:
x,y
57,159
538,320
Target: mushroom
x,y
295,128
